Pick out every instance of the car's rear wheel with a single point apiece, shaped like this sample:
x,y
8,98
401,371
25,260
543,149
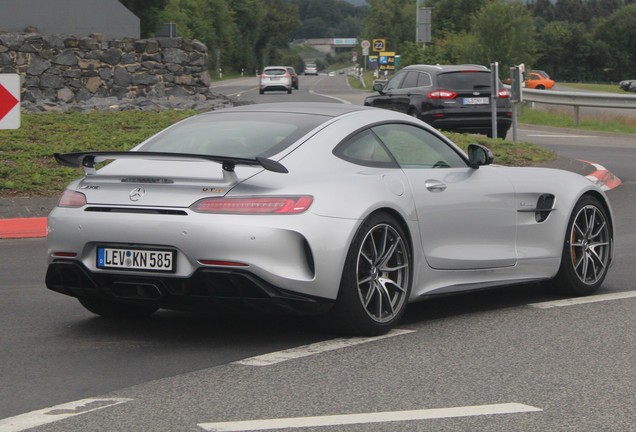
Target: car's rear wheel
x,y
261,91
376,280
540,87
587,249
114,309
289,90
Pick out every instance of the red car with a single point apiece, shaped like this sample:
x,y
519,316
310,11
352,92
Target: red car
x,y
294,76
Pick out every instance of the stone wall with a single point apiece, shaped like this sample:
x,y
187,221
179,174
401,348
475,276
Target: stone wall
x,y
67,70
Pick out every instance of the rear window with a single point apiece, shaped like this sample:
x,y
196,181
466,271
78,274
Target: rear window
x,y
244,134
275,71
464,80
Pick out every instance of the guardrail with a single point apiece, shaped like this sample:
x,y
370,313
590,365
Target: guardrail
x,y
580,99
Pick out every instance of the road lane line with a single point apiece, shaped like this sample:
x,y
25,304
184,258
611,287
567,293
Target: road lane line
x,y
365,418
316,348
344,101
56,413
584,300
561,136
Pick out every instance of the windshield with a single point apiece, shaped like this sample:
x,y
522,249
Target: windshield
x,y
244,134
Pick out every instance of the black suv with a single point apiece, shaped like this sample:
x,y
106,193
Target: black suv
x,y
455,98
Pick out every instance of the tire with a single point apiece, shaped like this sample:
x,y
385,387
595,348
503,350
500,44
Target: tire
x,y
540,87
261,91
376,280
113,309
587,249
289,90
502,132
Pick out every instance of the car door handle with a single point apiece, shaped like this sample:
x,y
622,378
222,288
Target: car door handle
x,y
435,186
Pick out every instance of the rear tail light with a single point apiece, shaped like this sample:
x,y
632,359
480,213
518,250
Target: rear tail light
x,y
442,94
504,93
254,205
72,199
263,75
287,75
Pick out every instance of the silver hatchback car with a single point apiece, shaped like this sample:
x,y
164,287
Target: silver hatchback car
x,y
275,78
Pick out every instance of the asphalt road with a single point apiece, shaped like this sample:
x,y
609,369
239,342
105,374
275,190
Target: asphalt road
x,y
497,360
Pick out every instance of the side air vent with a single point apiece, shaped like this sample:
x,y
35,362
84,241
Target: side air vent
x,y
136,211
545,204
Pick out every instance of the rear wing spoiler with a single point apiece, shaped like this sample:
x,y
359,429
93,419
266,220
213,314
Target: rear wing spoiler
x,y
87,160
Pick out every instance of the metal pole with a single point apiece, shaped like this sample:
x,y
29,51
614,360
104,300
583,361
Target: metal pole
x,y
417,21
494,93
514,122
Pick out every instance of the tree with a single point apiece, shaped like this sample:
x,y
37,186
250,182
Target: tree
x,y
505,33
148,12
452,16
618,32
249,16
210,21
393,20
542,9
280,20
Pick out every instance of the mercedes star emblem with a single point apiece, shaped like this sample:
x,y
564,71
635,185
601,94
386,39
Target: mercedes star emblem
x,y
136,194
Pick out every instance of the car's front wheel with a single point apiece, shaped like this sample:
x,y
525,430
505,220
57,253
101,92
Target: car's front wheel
x,y
587,249
114,309
376,280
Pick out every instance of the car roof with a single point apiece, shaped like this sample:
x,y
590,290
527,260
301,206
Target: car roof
x,y
315,108
447,68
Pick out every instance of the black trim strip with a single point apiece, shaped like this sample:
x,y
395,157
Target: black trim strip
x,y
89,159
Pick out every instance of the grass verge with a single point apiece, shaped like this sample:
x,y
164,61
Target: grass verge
x,y
27,167
564,118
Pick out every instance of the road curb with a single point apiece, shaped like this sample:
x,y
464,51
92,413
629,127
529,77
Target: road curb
x,y
602,177
23,228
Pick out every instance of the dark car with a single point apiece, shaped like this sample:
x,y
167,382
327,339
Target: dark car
x,y
455,98
628,85
294,76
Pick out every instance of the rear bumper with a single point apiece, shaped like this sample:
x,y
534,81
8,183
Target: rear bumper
x,y
206,287
468,124
275,86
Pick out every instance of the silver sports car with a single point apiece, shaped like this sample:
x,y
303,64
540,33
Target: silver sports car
x,y
343,212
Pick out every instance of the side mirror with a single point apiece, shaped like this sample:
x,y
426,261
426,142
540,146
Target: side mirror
x,y
378,87
479,155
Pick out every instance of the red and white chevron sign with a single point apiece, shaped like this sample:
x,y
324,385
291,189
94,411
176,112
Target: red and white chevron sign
x,y
9,101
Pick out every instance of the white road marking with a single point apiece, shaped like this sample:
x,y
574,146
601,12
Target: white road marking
x,y
316,348
346,102
59,412
561,136
584,300
364,418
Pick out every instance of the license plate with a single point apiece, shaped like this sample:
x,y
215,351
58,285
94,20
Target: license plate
x,y
475,101
136,259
